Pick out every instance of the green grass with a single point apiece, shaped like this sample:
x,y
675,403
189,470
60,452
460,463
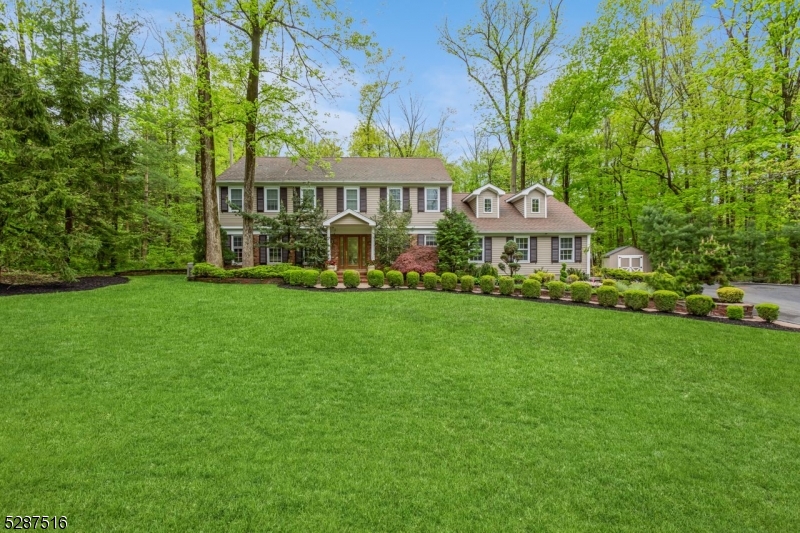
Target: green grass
x,y
167,405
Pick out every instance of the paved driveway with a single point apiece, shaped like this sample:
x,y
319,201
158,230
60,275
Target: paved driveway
x,y
786,296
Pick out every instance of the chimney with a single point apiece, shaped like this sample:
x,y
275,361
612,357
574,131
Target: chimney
x,y
230,151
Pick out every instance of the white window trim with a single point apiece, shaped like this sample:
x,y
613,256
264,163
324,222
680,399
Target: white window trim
x,y
231,206
539,211
233,246
389,197
526,238
438,200
425,239
277,195
571,248
358,198
280,256
313,195
491,204
482,251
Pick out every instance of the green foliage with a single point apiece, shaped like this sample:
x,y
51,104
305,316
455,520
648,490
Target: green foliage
x,y
509,259
300,231
579,273
391,233
768,312
351,279
563,277
730,295
412,279
607,296
296,277
544,276
660,280
572,278
199,246
735,312
263,271
487,269
206,270
328,279
665,301
394,278
467,283
699,304
506,284
636,299
430,280
556,289
449,281
487,284
455,240
310,277
375,278
581,291
609,282
531,288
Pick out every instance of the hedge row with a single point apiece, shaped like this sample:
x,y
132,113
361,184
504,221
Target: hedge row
x,y
206,270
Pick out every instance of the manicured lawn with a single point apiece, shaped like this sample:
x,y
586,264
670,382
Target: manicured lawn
x,y
167,405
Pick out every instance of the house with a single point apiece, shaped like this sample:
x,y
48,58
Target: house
x,y
350,189
628,258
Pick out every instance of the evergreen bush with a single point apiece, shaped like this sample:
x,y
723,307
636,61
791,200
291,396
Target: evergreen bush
x,y
394,278
730,295
665,300
506,284
467,283
430,280
449,281
375,278
310,277
768,312
735,312
531,288
487,284
699,304
636,299
351,279
607,296
328,279
556,289
412,280
581,291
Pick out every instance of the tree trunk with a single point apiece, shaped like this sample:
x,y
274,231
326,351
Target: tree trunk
x,y
250,145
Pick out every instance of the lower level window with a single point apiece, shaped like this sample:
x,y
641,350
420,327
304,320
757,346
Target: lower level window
x,y
565,250
522,247
430,240
274,255
236,247
478,257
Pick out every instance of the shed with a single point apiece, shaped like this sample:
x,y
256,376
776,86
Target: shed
x,y
628,258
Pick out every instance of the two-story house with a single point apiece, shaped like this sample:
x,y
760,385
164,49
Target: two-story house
x,y
350,190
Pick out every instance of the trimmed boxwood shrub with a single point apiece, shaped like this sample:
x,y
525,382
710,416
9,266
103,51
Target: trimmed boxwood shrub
x,y
607,296
768,312
730,295
412,280
531,288
394,278
429,280
735,312
546,277
556,289
287,276
328,279
635,299
449,281
610,283
506,284
665,300
310,277
699,304
351,279
581,291
572,278
375,278
295,277
467,283
487,284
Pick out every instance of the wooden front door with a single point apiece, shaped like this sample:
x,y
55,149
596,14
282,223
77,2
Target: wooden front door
x,y
353,251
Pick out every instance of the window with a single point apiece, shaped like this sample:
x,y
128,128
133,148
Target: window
x,y
430,240
309,194
271,201
431,199
534,205
522,247
478,257
351,199
565,249
236,247
235,199
274,255
395,198
487,205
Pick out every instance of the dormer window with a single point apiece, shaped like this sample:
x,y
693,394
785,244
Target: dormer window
x,y
535,205
487,205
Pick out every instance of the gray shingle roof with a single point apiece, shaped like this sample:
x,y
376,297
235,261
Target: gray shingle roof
x,y
619,248
344,170
560,218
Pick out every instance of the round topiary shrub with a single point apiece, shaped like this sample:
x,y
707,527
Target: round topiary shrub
x,y
328,279
506,285
394,278
296,277
607,296
375,278
610,283
351,279
467,283
665,301
735,312
730,295
310,277
699,305
531,288
487,284
412,280
429,280
635,299
572,278
768,312
556,289
449,281
581,291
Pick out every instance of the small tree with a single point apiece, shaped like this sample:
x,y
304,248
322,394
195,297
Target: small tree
x,y
509,259
391,233
456,240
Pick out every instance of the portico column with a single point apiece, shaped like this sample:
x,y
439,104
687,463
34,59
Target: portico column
x,y
372,246
329,243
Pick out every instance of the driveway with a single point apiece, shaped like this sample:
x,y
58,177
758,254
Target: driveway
x,y
786,296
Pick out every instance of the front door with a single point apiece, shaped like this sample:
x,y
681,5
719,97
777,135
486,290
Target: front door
x,y
354,251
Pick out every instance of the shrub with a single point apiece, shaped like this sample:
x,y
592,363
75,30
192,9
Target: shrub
x,y
607,296
467,283
518,278
351,279
531,288
487,269
487,284
263,271
328,279
661,281
636,299
665,300
572,278
608,282
310,277
768,312
506,284
429,280
375,278
735,312
562,277
295,277
556,289
449,281
730,295
287,276
206,270
412,279
546,276
418,259
699,305
581,291
394,278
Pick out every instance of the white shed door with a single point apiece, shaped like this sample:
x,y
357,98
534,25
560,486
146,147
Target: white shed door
x,y
631,263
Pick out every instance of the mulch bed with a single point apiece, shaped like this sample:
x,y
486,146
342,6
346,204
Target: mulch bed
x,y
81,284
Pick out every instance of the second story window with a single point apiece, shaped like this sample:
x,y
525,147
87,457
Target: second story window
x,y
271,201
395,198
235,199
487,205
351,199
309,194
534,205
431,199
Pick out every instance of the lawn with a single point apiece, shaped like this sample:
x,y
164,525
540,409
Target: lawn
x,y
167,405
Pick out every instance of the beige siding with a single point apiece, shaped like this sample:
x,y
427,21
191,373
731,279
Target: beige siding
x,y
542,203
612,261
543,256
520,206
472,205
421,219
329,201
495,205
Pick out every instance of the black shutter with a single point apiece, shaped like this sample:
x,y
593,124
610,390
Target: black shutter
x,y
420,240
296,199
223,199
284,198
339,199
260,200
285,251
362,192
406,199
383,194
578,250
320,196
420,200
442,199
532,249
554,250
262,249
487,249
